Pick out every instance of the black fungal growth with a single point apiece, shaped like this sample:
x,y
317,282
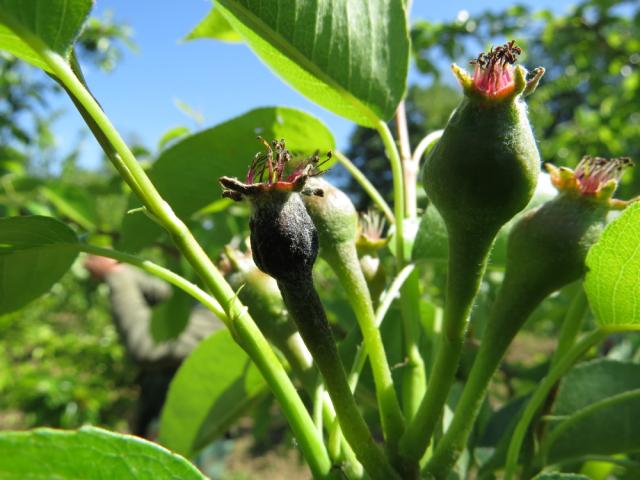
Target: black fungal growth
x,y
284,240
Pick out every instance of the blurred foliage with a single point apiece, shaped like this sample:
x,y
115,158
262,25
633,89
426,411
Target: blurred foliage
x,y
62,363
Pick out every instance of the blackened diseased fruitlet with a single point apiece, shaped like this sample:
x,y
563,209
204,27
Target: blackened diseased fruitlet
x,y
284,243
284,240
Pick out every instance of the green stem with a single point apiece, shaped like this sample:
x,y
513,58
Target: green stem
x,y
343,259
101,138
366,185
409,166
516,300
467,261
572,324
414,377
426,144
164,273
306,309
360,358
240,322
541,392
361,354
318,406
398,187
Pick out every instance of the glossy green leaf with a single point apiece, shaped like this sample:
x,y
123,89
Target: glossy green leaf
x,y
612,283
591,382
349,57
213,387
186,174
89,453
56,22
603,428
34,253
216,27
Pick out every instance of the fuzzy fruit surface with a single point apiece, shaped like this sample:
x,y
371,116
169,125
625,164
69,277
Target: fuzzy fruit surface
x,y
485,167
549,244
284,240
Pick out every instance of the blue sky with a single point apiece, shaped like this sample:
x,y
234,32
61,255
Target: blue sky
x,y
218,80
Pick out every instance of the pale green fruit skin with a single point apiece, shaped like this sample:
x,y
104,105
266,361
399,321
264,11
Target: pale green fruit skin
x,y
333,214
548,246
485,168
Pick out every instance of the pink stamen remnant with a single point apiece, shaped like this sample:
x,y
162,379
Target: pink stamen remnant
x,y
493,72
269,167
594,172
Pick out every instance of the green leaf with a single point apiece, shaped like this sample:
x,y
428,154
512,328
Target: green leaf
x,y
594,411
612,283
34,253
349,57
56,22
213,387
186,174
73,202
216,27
88,453
171,135
591,382
432,241
603,428
170,318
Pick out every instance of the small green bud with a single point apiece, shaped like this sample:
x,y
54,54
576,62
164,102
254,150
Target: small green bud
x,y
369,242
484,169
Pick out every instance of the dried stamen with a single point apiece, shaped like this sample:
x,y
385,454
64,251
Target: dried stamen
x,y
268,171
493,73
593,172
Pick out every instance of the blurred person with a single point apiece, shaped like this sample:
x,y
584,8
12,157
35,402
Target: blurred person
x,y
133,293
